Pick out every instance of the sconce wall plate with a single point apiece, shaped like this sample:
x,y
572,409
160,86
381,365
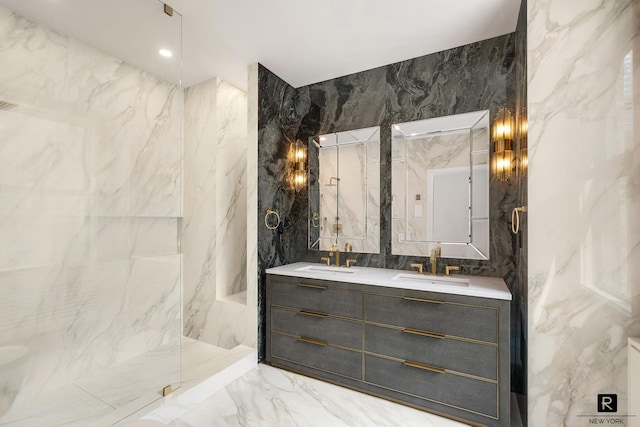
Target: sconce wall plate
x,y
503,129
297,159
522,142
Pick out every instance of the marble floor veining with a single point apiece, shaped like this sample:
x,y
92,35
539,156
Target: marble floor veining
x,y
263,396
267,396
108,396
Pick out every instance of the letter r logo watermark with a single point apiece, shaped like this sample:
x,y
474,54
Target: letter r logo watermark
x,y
607,403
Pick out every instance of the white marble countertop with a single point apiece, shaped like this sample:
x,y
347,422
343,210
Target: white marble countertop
x,y
475,286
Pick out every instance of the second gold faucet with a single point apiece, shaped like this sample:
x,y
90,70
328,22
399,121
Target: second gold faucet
x,y
433,259
334,248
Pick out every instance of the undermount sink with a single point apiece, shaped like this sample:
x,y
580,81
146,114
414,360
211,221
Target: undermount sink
x,y
326,269
432,280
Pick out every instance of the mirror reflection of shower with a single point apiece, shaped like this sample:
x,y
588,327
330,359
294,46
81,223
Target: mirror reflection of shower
x,y
344,187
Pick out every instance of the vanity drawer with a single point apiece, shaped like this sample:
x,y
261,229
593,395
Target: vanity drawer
x,y
434,314
313,295
470,358
344,333
460,392
325,357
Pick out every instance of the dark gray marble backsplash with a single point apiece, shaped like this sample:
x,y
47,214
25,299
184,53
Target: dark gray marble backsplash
x,y
474,77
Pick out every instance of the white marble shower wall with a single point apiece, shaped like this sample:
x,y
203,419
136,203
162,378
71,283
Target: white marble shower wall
x,y
584,205
219,307
90,197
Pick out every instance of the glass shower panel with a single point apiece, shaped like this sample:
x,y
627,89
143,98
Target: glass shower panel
x,y
90,206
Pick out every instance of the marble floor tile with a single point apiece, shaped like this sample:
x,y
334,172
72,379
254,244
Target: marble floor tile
x,y
147,374
143,375
267,396
218,373
67,406
264,396
110,396
205,369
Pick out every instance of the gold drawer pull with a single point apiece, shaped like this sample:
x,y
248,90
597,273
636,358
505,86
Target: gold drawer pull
x,y
313,341
304,285
312,313
432,301
424,333
425,367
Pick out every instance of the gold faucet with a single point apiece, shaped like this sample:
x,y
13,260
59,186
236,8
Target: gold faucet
x,y
433,259
332,248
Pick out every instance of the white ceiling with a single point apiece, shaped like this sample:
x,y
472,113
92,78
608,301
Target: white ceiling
x,y
302,41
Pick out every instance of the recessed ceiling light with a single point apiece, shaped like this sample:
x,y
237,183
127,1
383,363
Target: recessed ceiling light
x,y
166,53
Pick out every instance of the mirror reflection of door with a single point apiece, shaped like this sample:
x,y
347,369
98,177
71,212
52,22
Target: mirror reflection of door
x,y
437,182
448,219
440,186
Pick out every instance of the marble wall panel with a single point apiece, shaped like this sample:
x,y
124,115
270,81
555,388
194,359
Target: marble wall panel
x,y
218,305
584,200
198,238
139,167
469,78
136,164
90,181
231,194
127,237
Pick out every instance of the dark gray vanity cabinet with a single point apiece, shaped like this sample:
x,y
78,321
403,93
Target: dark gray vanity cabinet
x,y
314,326
444,353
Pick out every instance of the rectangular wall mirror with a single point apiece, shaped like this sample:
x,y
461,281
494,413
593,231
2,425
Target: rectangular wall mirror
x,y
440,186
344,191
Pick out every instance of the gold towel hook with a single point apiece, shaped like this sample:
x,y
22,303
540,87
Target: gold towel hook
x,y
515,218
266,219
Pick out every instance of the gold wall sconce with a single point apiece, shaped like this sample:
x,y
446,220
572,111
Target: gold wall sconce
x,y
523,152
297,159
503,129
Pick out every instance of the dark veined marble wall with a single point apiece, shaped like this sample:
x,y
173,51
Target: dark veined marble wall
x,y
474,77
